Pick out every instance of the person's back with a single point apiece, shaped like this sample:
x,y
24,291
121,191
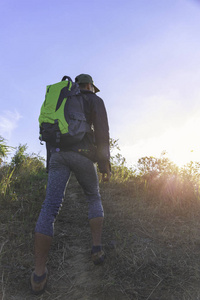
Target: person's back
x,y
79,159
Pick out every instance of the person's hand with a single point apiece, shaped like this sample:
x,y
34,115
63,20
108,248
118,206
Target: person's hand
x,y
106,176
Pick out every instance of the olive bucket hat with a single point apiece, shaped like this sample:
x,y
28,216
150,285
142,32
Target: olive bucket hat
x,y
85,78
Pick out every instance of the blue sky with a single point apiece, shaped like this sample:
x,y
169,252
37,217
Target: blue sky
x,y
142,54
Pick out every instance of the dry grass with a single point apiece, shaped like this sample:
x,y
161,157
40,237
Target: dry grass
x,y
158,246
152,248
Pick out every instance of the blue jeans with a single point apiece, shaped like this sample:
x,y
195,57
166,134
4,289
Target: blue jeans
x,y
61,166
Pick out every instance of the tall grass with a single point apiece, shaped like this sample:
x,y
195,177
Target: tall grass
x,y
160,182
157,180
154,201
151,213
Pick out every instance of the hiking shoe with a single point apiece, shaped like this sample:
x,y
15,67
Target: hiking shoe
x,y
38,283
98,257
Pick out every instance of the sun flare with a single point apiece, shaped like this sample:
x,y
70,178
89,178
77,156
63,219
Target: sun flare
x,y
183,143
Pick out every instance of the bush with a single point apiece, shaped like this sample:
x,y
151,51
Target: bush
x,y
25,175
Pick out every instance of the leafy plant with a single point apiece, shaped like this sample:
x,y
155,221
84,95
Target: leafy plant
x,y
4,149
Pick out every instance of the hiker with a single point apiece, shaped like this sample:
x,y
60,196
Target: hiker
x,y
78,158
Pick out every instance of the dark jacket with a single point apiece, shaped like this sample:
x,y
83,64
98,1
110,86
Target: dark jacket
x,y
94,145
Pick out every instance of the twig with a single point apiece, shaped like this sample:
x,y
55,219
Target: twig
x,y
3,289
2,245
154,289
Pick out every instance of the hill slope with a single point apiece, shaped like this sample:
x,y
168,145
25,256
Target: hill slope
x,y
152,253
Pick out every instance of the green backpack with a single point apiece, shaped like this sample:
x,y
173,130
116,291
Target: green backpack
x,y
62,118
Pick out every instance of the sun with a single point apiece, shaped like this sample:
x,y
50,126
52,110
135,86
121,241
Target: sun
x,y
183,143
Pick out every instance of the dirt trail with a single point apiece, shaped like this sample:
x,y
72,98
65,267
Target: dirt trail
x,y
75,276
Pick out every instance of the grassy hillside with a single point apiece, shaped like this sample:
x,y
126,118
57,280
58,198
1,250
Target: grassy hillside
x,y
151,233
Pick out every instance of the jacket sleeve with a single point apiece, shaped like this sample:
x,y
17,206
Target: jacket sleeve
x,y
101,131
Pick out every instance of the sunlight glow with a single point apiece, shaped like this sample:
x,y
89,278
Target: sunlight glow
x,y
181,144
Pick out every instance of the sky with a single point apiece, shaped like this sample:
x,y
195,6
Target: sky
x,y
142,54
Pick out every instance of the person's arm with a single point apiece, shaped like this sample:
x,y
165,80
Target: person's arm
x,y
101,131
107,174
